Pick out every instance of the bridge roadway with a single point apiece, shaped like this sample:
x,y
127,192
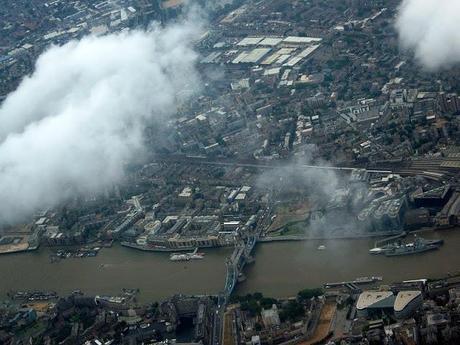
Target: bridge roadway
x,y
236,262
235,265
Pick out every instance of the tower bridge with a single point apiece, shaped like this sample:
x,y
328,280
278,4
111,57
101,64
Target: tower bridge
x,y
235,264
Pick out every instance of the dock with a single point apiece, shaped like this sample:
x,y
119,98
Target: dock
x,y
353,283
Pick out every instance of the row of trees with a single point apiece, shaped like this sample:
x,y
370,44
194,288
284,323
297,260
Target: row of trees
x,y
292,310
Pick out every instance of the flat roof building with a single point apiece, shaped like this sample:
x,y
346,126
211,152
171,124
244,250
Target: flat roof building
x,y
250,41
371,302
403,305
406,303
301,40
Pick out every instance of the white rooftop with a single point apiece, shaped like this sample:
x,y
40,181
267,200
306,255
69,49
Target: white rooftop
x,y
253,56
298,39
270,41
250,41
240,196
272,71
368,298
404,298
303,54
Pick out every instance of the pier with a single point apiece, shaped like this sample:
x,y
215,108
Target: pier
x,y
353,284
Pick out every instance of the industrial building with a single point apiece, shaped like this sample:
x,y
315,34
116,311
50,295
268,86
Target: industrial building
x,y
274,54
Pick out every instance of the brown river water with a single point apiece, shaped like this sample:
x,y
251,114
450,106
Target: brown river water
x,y
281,269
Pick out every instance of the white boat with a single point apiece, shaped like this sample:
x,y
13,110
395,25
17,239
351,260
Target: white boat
x,y
179,257
187,256
376,251
322,247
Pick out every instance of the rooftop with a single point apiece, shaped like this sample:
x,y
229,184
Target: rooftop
x,y
374,298
404,298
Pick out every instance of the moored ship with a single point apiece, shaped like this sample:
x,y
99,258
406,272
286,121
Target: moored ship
x,y
187,256
420,245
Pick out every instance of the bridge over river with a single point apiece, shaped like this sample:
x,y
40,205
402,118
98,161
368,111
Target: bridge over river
x,y
235,264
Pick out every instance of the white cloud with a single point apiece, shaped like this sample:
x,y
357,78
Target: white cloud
x,y
70,126
431,28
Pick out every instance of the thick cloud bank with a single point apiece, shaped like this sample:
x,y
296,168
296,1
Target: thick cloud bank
x,y
432,29
72,125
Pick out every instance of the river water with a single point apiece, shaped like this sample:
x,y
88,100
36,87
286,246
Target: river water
x,y
281,269
112,270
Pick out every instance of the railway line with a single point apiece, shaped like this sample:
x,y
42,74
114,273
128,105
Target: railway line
x,y
429,168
